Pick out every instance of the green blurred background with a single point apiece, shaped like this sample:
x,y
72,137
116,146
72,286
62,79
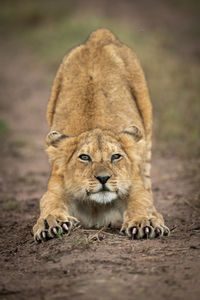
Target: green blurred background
x,y
164,34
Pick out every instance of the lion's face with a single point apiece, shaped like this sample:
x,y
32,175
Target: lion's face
x,y
94,167
101,169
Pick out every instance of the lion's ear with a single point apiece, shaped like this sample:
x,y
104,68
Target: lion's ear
x,y
53,137
60,149
134,131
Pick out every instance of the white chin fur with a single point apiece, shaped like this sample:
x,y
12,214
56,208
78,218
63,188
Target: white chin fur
x,y
103,197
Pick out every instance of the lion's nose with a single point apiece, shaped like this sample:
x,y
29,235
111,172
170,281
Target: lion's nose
x,y
102,179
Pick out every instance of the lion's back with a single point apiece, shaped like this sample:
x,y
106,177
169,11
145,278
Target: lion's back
x,y
93,87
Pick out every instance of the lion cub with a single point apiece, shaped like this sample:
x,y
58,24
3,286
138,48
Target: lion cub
x,y
99,145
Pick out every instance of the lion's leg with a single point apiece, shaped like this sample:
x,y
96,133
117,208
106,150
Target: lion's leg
x,y
141,218
146,168
54,217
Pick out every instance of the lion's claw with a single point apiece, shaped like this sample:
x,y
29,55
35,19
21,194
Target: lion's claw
x,y
55,230
145,228
43,234
51,227
157,232
134,231
166,232
65,227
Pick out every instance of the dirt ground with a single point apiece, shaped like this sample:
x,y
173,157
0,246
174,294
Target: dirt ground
x,y
80,266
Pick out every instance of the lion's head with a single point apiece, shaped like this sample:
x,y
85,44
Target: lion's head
x,y
96,165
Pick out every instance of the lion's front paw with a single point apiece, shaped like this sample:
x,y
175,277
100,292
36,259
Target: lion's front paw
x,y
139,228
53,226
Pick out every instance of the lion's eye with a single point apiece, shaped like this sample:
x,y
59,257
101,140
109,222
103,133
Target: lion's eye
x,y
85,157
115,157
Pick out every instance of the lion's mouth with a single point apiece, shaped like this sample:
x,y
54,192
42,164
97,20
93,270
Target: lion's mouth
x,y
102,196
103,188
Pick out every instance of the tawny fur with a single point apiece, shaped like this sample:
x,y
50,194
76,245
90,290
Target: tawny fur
x,y
100,106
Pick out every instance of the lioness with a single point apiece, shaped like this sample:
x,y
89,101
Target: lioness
x,y
99,145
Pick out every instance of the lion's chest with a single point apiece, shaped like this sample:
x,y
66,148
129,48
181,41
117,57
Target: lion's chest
x,y
94,215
